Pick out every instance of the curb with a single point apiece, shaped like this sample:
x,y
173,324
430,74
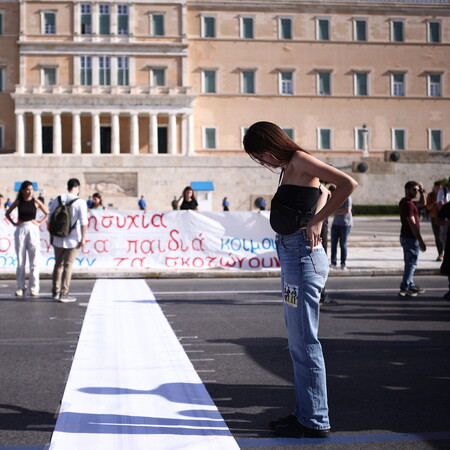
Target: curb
x,y
214,273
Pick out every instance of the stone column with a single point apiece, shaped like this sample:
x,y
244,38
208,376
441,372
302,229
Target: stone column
x,y
95,18
115,134
113,18
134,134
57,144
20,133
95,71
190,132
76,134
76,18
172,134
184,134
153,134
37,133
95,133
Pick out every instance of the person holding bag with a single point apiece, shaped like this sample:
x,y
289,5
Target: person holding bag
x,y
297,218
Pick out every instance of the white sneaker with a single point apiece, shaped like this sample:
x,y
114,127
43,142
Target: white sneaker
x,y
34,292
343,267
67,298
20,292
332,266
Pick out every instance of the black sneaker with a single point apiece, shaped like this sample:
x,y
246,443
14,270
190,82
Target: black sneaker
x,y
326,300
295,429
417,290
407,293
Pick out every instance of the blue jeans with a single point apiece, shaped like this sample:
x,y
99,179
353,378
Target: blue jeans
x,y
303,277
339,233
410,256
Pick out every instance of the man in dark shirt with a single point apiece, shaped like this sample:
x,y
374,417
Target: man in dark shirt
x,y
410,237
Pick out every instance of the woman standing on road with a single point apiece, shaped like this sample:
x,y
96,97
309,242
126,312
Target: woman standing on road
x,y
26,236
189,200
297,220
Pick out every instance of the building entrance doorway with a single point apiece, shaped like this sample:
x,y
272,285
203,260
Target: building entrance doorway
x,y
162,139
105,139
47,139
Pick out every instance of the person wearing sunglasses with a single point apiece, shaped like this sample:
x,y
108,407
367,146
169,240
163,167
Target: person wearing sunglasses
x,y
410,237
297,215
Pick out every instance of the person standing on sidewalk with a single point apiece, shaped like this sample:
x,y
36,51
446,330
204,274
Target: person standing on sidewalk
x,y
432,208
27,237
66,248
410,237
340,229
297,220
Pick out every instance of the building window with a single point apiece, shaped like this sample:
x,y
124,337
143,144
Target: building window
x,y
209,138
104,19
49,76
361,84
324,138
104,71
435,139
122,19
209,81
323,29
2,134
285,27
289,132
360,30
397,31
123,74
434,32
2,80
49,22
247,28
86,18
398,139
286,83
157,25
324,83
248,82
434,85
398,84
2,13
86,70
208,25
158,77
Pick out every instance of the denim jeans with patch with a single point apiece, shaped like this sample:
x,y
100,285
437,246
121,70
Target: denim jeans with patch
x,y
410,256
303,277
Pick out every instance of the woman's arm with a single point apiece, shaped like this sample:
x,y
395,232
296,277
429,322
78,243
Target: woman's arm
x,y
10,210
44,209
344,183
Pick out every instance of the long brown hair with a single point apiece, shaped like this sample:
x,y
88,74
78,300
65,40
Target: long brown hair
x,y
266,137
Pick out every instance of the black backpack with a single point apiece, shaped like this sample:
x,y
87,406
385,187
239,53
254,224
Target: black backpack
x,y
61,219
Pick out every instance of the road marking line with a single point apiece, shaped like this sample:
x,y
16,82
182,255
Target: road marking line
x,y
131,384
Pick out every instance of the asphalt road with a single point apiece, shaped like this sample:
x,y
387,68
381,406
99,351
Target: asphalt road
x,y
387,358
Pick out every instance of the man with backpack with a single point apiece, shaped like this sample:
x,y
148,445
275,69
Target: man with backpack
x,y
67,227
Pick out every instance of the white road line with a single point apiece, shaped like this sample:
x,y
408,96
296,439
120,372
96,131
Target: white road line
x,y
131,385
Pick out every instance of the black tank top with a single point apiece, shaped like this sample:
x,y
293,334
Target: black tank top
x,y
301,198
27,210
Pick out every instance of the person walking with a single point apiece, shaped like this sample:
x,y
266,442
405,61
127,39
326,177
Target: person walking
x,y
410,237
304,266
188,199
225,204
66,248
444,219
27,236
432,208
340,229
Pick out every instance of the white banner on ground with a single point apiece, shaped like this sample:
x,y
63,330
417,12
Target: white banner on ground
x,y
163,240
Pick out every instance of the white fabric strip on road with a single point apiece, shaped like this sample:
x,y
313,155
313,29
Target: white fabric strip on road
x,y
131,385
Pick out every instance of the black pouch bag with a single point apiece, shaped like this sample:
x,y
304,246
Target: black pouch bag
x,y
286,220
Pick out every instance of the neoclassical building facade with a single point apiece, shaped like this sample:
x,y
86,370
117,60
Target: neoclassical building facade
x,y
186,78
